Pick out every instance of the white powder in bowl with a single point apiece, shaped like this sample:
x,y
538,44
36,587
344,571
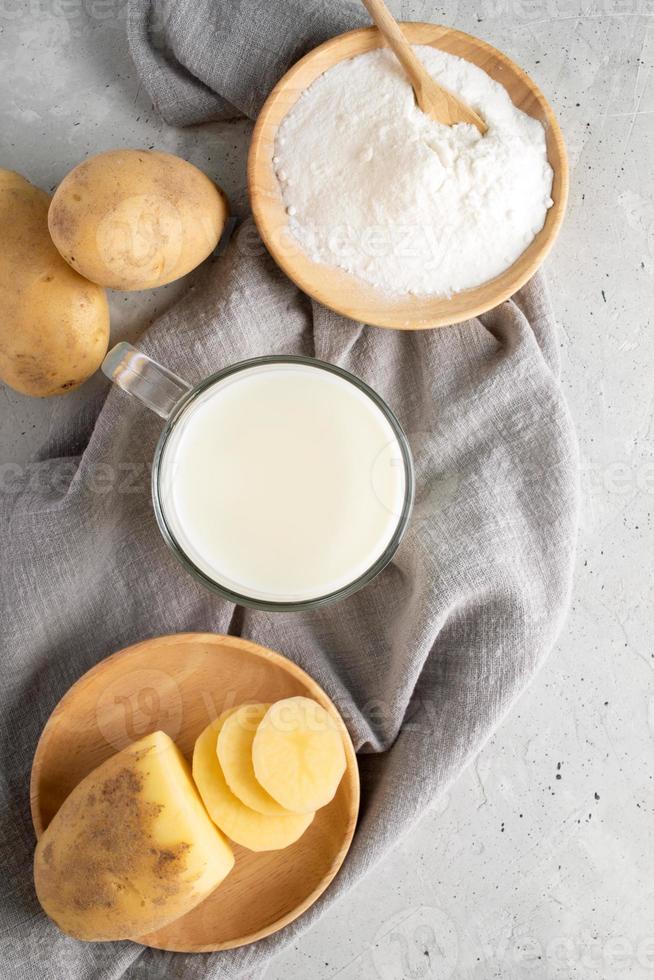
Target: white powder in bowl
x,y
375,187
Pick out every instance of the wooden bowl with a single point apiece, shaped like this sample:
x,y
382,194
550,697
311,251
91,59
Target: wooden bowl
x,y
339,290
179,684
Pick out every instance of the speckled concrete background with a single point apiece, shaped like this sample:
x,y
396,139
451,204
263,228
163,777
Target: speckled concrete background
x,y
539,863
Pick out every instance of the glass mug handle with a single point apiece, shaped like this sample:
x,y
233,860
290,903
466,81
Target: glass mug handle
x,y
137,374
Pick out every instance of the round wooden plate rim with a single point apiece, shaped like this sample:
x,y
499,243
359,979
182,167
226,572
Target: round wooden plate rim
x,y
400,313
215,640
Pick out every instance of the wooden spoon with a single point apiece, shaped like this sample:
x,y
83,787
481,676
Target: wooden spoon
x,y
436,102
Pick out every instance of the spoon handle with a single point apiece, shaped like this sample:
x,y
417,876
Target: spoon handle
x,y
404,52
435,101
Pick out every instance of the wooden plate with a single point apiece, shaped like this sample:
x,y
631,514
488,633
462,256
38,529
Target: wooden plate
x,y
337,289
179,684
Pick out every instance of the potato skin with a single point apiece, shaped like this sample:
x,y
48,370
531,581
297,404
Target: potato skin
x,y
54,325
136,219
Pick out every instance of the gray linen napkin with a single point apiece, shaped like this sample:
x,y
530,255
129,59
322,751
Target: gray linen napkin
x,y
426,661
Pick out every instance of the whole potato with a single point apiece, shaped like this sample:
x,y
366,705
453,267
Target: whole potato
x,y
135,219
54,325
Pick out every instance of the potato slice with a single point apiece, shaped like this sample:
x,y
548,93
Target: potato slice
x,y
298,754
235,756
131,849
256,831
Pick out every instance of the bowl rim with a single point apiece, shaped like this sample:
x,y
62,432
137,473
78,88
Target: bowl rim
x,y
465,304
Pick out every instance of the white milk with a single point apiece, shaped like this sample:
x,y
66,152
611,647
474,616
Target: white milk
x,y
283,482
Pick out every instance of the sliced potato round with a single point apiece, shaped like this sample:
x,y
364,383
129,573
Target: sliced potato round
x,y
235,756
244,826
298,754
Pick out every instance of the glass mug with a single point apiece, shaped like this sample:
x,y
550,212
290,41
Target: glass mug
x,y
280,482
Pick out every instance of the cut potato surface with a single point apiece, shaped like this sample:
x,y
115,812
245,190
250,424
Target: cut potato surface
x,y
235,756
298,754
131,849
256,831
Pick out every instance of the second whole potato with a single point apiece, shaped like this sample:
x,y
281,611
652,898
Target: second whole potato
x,y
136,219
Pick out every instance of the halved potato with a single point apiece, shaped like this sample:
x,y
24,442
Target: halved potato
x,y
131,849
244,826
235,756
298,754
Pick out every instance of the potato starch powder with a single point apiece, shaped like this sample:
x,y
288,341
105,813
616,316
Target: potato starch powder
x,y
375,187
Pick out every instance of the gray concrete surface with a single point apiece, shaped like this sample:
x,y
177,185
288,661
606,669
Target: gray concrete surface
x,y
539,861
